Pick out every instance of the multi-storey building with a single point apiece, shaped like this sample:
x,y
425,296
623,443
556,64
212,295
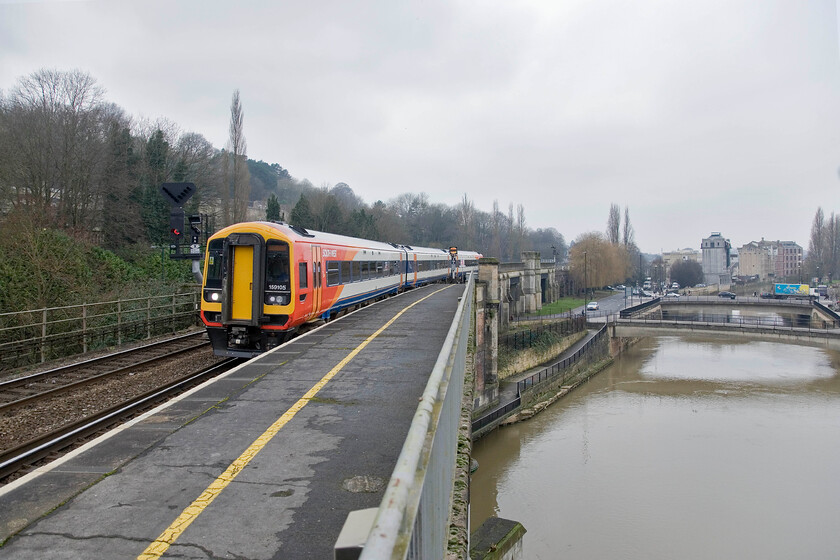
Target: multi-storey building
x,y
771,259
716,259
788,259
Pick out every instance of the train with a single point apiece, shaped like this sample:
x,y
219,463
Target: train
x,y
263,281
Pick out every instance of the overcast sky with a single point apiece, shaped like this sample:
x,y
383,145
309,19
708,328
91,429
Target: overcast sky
x,y
712,115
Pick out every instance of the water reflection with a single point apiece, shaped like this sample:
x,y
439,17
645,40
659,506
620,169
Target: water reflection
x,y
686,448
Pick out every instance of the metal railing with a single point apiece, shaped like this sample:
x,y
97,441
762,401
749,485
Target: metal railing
x,y
413,518
496,414
525,338
35,336
742,321
553,371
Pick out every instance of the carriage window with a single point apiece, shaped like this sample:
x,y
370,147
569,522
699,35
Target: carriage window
x,y
278,287
214,264
380,268
345,272
332,273
357,271
303,275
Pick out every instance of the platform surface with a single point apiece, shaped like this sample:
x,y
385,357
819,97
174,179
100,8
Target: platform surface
x,y
334,455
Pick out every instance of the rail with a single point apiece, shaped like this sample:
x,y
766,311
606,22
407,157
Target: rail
x,y
413,518
35,336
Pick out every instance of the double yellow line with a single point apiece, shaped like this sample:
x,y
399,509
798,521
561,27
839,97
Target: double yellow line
x,y
166,539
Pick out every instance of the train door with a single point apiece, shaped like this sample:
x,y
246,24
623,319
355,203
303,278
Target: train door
x,y
316,281
242,300
402,271
415,268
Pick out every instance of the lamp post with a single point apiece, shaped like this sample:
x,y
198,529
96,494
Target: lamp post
x,y
585,288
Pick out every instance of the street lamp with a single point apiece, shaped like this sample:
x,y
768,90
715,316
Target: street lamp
x,y
585,288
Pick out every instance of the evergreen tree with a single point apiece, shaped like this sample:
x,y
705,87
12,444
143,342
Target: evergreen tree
x,y
272,209
302,214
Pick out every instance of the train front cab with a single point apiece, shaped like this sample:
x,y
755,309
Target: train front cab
x,y
247,301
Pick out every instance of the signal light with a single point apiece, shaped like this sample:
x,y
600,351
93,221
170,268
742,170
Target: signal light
x,y
176,222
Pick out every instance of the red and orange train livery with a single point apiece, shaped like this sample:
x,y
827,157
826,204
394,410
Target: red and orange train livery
x,y
263,280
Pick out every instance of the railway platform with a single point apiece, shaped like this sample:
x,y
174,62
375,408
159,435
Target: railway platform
x,y
264,462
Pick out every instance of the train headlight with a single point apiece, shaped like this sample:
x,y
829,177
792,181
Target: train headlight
x,y
271,299
214,296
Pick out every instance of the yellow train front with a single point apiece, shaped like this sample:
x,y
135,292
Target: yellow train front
x,y
263,280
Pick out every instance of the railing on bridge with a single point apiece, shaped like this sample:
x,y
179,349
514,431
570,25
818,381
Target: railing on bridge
x,y
35,336
673,318
413,518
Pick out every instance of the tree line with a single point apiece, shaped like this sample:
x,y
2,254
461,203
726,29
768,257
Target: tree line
x,y
600,259
75,163
823,258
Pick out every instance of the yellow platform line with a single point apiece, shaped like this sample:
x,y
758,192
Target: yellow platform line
x,y
166,539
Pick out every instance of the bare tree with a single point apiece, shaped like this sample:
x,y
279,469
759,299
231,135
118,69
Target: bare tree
x,y
816,248
466,221
627,238
55,125
614,224
235,201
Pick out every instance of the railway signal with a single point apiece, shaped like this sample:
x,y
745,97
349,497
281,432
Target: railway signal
x,y
176,224
195,228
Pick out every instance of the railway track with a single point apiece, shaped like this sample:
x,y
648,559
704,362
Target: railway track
x,y
43,415
26,389
53,444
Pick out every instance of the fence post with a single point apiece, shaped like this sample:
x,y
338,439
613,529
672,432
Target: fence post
x,y
84,328
173,313
43,335
119,322
148,317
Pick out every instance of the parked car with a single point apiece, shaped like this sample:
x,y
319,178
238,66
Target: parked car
x,y
730,295
646,293
592,306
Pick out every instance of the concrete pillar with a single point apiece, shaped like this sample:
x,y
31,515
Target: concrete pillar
x,y
498,539
487,333
531,282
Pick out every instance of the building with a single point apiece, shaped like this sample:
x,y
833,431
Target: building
x,y
680,255
716,259
768,260
788,260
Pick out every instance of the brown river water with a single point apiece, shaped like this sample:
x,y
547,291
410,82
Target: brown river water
x,y
683,448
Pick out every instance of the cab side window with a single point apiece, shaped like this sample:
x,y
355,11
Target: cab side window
x,y
303,275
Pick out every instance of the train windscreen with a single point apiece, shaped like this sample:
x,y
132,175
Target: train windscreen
x,y
215,270
277,279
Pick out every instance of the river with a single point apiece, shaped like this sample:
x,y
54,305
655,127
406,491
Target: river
x,y
683,448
